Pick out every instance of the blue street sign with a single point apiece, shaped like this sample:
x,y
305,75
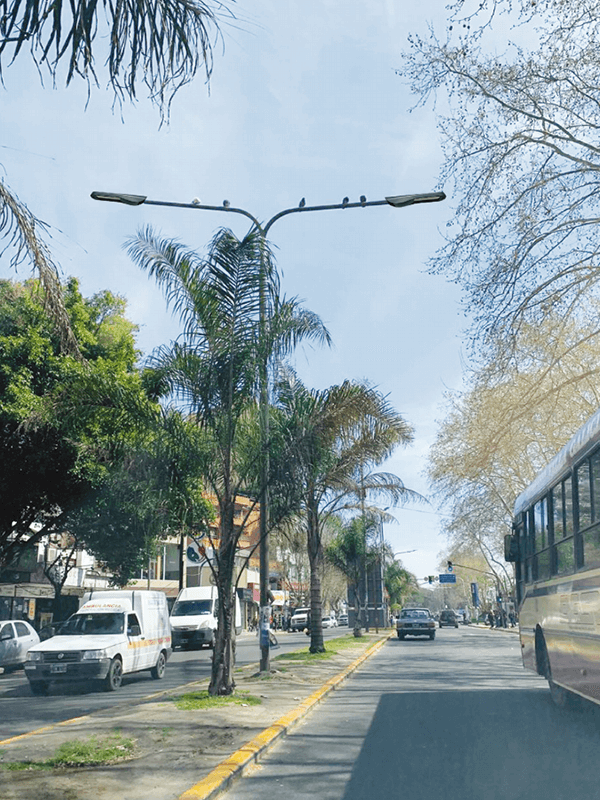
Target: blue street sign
x,y
447,578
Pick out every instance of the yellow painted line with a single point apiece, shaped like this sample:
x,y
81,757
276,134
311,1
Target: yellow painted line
x,y
221,777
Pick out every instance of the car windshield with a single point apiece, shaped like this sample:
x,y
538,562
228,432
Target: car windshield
x,y
191,608
93,624
414,612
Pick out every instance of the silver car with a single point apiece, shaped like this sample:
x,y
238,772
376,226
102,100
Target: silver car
x,y
16,637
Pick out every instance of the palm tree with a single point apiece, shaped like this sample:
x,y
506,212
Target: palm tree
x,y
161,43
213,370
353,551
328,438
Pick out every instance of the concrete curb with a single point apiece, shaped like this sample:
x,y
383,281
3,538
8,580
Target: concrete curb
x,y
222,777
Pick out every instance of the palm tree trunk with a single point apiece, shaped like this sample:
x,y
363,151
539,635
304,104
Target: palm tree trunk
x,y
315,557
222,682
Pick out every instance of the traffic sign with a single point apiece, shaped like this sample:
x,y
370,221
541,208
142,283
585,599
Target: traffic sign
x,y
448,578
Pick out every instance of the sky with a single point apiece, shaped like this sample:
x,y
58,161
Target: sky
x,y
304,101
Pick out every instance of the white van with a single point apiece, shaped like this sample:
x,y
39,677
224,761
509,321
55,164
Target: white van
x,y
194,617
115,632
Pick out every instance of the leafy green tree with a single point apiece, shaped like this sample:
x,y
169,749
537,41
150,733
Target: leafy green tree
x,y
354,551
62,419
400,584
326,441
212,370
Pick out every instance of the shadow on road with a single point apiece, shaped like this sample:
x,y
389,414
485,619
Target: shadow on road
x,y
484,745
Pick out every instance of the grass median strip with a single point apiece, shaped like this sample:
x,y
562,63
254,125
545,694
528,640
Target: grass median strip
x,y
332,648
92,752
193,701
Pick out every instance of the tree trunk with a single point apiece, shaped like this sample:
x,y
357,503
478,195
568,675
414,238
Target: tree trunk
x,y
358,611
315,557
223,663
222,682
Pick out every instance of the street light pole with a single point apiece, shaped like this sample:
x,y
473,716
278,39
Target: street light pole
x,y
396,201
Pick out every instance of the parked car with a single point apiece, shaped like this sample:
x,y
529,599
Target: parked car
x,y
16,637
415,622
448,619
329,622
343,619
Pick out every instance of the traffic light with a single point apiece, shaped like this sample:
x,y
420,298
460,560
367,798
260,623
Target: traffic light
x,y
430,578
450,567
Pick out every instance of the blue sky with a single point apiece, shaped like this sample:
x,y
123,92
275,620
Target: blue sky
x,y
303,102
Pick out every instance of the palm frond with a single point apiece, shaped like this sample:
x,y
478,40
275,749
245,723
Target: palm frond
x,y
162,43
24,241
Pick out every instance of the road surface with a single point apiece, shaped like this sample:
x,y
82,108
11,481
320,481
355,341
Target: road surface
x,y
21,712
457,718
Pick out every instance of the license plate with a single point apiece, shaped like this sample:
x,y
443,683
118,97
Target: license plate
x,y
58,668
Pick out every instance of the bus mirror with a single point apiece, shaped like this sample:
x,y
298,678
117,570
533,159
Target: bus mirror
x,y
511,548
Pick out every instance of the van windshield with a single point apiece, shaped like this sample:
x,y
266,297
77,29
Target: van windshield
x,y
191,608
93,624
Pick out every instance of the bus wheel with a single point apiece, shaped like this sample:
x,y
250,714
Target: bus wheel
x,y
560,697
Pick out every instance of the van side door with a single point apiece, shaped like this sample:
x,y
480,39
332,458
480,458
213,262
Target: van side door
x,y
136,649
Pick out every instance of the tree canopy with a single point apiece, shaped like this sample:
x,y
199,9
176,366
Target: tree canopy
x,y
212,370
508,424
62,419
521,150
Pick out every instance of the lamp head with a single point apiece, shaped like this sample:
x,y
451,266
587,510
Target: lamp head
x,y
401,200
116,197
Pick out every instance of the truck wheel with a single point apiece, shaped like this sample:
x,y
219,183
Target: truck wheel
x,y
432,635
39,687
158,670
115,675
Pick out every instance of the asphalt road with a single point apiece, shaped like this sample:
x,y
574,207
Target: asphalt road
x,y
21,712
457,718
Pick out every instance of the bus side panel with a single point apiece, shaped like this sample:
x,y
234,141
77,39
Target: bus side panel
x,y
570,622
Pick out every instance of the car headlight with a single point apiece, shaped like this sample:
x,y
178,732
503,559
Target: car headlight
x,y
93,655
33,656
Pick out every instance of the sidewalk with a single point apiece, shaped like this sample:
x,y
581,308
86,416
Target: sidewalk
x,y
174,749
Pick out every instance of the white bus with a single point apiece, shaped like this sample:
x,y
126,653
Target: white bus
x,y
555,545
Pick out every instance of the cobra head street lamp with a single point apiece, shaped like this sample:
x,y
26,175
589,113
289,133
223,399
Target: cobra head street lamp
x,y
401,200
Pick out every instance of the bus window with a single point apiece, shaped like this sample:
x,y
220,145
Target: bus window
x,y
540,520
595,474
565,557
558,512
584,495
568,529
544,565
591,547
